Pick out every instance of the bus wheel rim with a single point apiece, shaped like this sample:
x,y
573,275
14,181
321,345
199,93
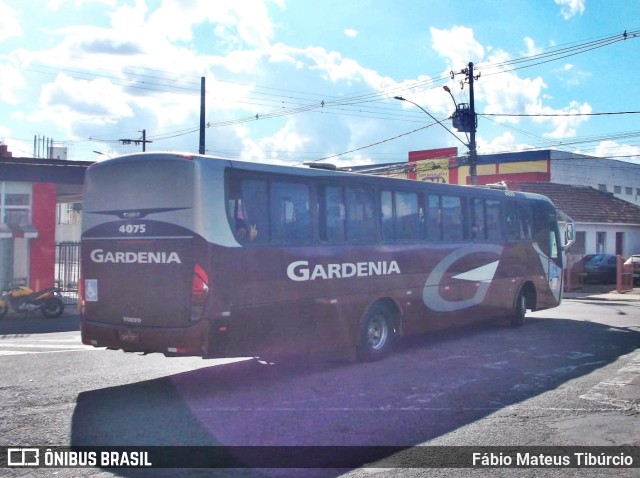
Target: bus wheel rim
x,y
377,332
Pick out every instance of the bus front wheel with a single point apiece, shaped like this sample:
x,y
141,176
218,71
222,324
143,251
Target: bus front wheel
x,y
376,334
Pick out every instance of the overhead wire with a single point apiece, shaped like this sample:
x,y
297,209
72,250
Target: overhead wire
x,y
298,102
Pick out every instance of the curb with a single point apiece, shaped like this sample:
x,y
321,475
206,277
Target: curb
x,y
616,297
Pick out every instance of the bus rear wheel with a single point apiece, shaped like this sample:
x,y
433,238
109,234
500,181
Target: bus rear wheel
x,y
519,314
376,334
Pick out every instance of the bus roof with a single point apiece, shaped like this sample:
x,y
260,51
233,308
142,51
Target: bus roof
x,y
496,190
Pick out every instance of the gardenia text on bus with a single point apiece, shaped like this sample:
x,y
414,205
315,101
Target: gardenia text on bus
x,y
301,270
145,257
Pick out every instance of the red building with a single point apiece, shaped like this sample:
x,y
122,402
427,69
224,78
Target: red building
x,y
30,189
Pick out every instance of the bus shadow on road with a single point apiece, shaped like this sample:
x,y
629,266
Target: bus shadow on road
x,y
431,386
34,323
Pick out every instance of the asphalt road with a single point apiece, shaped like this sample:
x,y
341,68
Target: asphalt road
x,y
570,376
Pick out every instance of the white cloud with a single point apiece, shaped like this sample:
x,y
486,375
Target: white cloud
x,y
236,23
508,93
457,45
279,147
334,66
570,76
565,126
500,144
570,8
67,100
135,41
55,5
612,149
9,22
146,48
11,83
532,49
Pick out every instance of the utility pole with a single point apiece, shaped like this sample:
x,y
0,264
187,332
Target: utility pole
x,y
144,141
202,112
465,119
473,156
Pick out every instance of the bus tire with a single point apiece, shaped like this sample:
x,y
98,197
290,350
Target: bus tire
x,y
376,334
519,314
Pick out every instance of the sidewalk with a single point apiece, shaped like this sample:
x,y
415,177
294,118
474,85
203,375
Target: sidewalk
x,y
602,292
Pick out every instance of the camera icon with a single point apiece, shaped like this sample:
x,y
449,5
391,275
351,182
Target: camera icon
x,y
23,457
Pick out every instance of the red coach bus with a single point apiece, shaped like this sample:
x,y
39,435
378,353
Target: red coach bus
x,y
195,255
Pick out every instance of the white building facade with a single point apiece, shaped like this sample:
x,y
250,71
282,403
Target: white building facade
x,y
621,178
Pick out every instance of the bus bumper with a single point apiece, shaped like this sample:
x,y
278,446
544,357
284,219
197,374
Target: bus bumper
x,y
171,341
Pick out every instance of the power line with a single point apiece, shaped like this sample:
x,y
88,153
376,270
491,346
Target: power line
x,y
296,102
541,115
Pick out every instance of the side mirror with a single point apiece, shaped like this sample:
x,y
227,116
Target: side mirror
x,y
569,235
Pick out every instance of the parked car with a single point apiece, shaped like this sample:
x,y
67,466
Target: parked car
x,y
601,269
578,275
635,261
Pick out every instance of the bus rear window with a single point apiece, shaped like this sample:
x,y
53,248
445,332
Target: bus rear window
x,y
140,184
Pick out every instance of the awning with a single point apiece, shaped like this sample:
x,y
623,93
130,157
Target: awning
x,y
14,231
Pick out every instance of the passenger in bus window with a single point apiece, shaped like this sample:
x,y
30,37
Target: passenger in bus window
x,y
246,232
475,232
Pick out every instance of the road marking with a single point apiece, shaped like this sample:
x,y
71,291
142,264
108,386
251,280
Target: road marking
x,y
36,345
608,392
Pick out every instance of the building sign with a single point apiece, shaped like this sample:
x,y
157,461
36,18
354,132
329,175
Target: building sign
x,y
434,170
432,164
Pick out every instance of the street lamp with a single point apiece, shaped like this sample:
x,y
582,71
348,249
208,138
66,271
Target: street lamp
x,y
446,88
400,98
102,154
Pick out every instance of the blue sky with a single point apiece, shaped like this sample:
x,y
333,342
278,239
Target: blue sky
x,y
289,81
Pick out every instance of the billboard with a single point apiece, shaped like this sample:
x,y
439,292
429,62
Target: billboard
x,y
432,164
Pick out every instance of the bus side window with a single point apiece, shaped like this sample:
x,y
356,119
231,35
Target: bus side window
x,y
452,218
408,220
250,217
492,219
386,218
434,218
332,214
290,214
478,228
360,214
511,219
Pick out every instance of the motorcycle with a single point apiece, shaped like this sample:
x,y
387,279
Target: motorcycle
x,y
22,299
